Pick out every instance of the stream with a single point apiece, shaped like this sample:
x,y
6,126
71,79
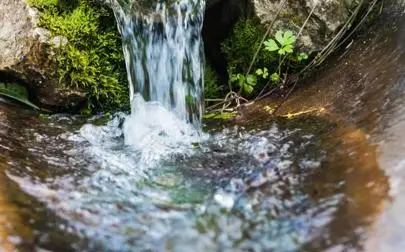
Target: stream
x,y
150,180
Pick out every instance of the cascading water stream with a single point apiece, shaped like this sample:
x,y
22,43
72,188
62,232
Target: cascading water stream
x,y
164,57
307,183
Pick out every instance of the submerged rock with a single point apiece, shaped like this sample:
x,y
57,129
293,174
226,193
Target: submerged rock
x,y
26,53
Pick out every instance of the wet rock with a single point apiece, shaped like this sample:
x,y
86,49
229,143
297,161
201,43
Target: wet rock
x,y
328,16
26,53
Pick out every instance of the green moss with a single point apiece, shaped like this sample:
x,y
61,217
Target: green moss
x,y
220,116
92,59
212,88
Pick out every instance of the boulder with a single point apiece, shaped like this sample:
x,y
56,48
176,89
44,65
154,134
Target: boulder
x,y
26,52
328,16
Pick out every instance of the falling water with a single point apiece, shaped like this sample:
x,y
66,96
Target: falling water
x,y
163,51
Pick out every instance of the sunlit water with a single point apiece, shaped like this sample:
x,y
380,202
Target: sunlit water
x,y
136,183
270,186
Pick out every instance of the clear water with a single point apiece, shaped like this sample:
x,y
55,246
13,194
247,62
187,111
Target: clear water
x,y
275,185
164,53
150,181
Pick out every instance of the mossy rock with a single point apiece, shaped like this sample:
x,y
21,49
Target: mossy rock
x,y
220,116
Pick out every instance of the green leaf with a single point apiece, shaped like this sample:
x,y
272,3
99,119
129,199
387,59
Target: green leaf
x,y
16,92
302,56
265,73
251,80
289,38
271,45
279,37
248,89
288,49
259,71
275,77
282,51
234,77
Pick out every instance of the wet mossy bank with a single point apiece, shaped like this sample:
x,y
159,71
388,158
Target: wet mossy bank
x,y
239,51
67,54
75,62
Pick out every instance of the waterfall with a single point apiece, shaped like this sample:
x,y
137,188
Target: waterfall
x,y
164,57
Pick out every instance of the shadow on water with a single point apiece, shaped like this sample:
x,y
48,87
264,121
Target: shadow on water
x,y
25,223
365,88
303,184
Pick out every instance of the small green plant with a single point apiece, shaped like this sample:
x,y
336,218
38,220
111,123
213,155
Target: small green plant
x,y
284,55
243,43
264,73
212,87
285,43
246,83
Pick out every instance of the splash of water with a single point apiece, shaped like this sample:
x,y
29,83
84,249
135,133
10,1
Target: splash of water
x,y
163,51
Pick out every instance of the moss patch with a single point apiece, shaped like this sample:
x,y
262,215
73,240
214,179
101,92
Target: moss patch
x,y
212,87
220,116
92,59
242,45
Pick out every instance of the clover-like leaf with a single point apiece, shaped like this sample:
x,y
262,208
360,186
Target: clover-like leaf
x,y
265,73
302,56
248,89
251,80
271,45
275,77
259,71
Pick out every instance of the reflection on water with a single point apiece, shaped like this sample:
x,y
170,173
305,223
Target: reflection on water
x,y
365,87
9,217
286,184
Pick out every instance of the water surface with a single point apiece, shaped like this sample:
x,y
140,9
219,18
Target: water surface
x,y
282,185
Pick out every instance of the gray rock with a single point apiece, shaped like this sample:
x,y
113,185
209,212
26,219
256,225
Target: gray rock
x,y
26,52
328,17
324,23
